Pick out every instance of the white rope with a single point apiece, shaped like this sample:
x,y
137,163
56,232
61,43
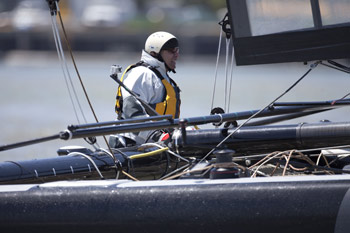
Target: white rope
x,y
65,69
114,159
62,67
231,72
91,161
226,73
216,69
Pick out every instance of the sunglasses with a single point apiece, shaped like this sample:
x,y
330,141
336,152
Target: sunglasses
x,y
173,50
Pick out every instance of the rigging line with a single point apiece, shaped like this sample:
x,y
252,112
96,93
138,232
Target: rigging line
x,y
91,161
62,67
267,160
78,74
169,177
67,70
115,160
216,68
287,163
343,69
336,68
301,151
169,151
312,66
335,101
336,64
231,72
118,165
265,157
125,156
226,72
74,63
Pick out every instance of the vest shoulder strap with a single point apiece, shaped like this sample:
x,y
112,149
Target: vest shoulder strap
x,y
153,68
119,99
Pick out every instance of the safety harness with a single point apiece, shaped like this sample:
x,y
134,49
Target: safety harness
x,y
171,100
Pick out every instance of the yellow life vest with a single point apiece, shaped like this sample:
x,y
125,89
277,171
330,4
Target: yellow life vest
x,y
171,101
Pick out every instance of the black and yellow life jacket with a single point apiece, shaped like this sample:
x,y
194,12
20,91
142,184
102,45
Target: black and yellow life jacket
x,y
171,100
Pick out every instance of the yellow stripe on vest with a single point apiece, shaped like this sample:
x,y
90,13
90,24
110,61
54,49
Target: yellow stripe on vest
x,y
168,106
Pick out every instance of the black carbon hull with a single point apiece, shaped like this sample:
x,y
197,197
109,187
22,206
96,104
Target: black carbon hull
x,y
284,204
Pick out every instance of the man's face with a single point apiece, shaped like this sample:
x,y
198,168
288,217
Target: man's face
x,y
170,56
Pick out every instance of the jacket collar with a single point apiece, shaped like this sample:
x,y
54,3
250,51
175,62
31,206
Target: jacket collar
x,y
160,66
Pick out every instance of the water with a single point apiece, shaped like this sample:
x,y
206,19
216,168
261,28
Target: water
x,y
35,103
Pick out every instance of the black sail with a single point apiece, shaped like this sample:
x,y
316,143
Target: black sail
x,y
266,31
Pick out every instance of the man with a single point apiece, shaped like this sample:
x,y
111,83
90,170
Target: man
x,y
149,79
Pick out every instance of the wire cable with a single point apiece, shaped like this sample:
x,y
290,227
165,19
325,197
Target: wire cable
x,y
312,66
226,74
118,165
339,67
74,63
216,68
231,72
63,65
78,74
67,77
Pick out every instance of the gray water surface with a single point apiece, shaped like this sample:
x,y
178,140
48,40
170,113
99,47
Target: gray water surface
x,y
34,100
